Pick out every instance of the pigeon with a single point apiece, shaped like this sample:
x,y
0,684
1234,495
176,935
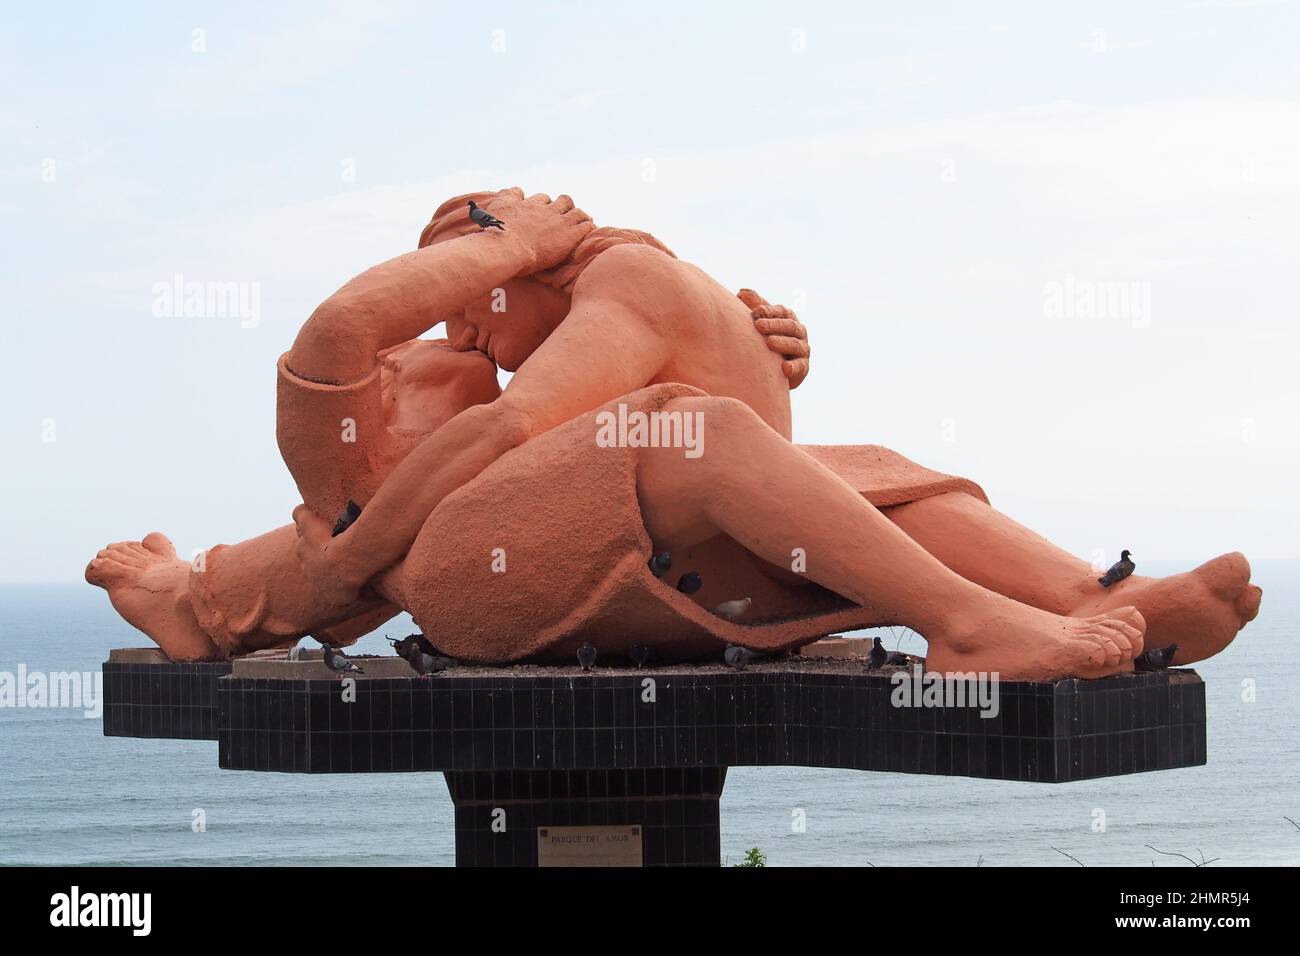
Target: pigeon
x,y
1156,659
426,664
351,512
339,662
660,564
878,656
414,643
639,654
1118,571
483,218
898,657
732,609
587,656
423,657
736,657
690,582
295,652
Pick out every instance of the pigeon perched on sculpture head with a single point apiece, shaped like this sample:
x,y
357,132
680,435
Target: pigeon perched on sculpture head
x,y
484,219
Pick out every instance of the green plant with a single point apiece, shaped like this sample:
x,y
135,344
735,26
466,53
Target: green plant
x,y
753,857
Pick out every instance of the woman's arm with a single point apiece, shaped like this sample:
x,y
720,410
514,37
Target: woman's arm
x,y
403,298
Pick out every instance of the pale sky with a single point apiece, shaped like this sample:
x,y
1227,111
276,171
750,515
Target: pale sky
x,y
939,189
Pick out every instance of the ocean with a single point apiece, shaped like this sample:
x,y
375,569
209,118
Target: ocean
x,y
69,795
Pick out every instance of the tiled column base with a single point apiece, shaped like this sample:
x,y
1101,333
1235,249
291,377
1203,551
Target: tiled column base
x,y
677,810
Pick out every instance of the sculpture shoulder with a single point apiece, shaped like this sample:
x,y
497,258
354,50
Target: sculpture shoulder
x,y
639,273
645,280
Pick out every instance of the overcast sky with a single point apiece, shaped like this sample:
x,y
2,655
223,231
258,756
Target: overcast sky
x,y
1049,247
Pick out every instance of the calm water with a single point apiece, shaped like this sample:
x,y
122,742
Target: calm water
x,y
70,795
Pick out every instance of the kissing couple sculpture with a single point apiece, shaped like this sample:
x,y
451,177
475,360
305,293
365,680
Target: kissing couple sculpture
x,y
510,533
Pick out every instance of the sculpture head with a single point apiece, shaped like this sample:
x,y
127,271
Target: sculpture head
x,y
508,325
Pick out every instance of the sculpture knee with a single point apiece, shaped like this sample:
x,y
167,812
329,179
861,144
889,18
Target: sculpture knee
x,y
724,425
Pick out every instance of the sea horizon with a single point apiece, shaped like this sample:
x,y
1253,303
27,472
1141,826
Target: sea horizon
x,y
77,797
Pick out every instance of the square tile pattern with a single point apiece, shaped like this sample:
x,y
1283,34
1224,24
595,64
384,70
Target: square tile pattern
x,y
649,748
1045,732
170,700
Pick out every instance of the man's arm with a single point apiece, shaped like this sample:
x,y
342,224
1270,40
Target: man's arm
x,y
403,298
604,348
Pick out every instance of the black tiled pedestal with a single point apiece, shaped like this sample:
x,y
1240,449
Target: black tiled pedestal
x,y
146,695
609,748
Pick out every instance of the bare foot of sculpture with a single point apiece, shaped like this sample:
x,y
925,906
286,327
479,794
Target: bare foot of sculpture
x,y
1023,643
148,584
1201,611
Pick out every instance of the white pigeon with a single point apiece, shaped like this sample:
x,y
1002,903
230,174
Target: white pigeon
x,y
732,609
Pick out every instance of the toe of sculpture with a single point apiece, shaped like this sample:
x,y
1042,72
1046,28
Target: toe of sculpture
x,y
1247,603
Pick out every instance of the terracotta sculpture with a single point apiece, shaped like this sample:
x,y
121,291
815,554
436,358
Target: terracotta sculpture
x,y
517,524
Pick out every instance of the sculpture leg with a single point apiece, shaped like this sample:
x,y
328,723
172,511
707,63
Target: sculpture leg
x,y
245,597
253,595
1201,611
756,487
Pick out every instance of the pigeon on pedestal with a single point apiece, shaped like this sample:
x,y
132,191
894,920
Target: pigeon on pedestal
x,y
426,664
587,656
339,662
737,657
1156,659
639,654
878,656
420,654
414,643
